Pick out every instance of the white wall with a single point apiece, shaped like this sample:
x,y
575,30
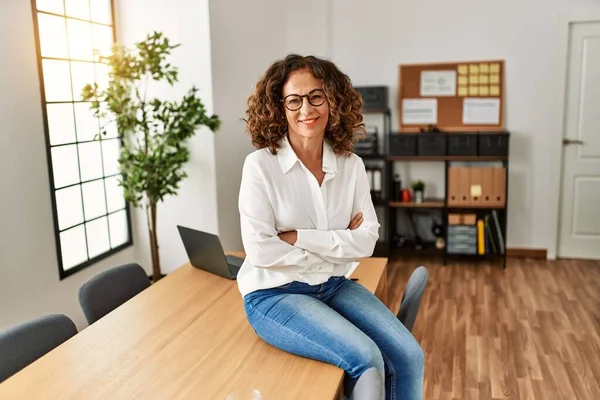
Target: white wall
x,y
246,38
29,282
184,22
244,42
370,39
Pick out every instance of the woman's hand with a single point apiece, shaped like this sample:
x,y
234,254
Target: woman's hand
x,y
356,221
289,237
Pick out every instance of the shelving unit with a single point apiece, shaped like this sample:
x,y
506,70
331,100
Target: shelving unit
x,y
387,247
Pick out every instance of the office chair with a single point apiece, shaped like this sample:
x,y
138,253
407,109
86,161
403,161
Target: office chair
x,y
411,299
25,343
109,289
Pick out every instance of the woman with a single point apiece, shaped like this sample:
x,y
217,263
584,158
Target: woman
x,y
306,216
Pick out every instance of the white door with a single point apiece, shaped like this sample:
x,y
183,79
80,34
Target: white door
x,y
580,201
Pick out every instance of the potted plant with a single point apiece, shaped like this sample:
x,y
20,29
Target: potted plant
x,y
153,132
418,188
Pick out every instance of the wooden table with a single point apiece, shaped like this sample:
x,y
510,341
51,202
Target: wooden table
x,y
186,337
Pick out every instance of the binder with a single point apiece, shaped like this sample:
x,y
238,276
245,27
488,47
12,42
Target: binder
x,y
453,186
480,237
498,232
475,186
487,186
490,236
464,187
499,187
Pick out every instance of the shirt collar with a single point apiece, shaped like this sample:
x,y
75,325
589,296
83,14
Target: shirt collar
x,y
287,157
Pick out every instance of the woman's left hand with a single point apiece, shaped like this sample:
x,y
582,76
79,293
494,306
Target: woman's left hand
x,y
289,237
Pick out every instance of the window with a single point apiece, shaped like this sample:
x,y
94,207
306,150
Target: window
x,y
91,217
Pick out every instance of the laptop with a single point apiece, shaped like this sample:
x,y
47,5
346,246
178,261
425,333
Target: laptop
x,y
206,253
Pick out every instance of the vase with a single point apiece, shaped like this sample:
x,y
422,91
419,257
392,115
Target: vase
x,y
418,196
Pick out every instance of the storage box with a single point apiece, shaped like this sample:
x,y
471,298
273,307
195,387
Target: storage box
x,y
462,239
462,144
367,146
462,249
454,219
470,231
374,97
402,144
493,144
469,219
461,219
431,144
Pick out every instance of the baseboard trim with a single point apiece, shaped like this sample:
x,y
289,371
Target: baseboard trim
x,y
527,253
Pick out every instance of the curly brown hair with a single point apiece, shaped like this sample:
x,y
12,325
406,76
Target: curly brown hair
x,y
266,121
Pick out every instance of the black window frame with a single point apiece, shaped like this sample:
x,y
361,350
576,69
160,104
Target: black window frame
x,y
44,103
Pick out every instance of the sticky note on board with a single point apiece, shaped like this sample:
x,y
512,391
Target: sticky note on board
x,y
484,79
484,91
494,79
463,91
474,68
463,69
474,79
476,190
494,68
473,90
484,68
494,90
462,80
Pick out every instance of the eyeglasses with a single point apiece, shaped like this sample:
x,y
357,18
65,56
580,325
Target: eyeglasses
x,y
293,102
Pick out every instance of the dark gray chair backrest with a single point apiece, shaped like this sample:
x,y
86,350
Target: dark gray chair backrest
x,y
109,289
411,299
25,343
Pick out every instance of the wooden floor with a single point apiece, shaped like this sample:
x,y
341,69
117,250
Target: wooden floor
x,y
531,331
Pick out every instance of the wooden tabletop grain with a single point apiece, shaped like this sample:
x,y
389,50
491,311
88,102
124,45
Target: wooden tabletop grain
x,y
185,337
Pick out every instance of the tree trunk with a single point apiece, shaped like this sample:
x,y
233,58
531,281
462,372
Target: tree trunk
x,y
151,211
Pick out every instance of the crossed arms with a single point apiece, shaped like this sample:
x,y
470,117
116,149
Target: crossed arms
x,y
306,249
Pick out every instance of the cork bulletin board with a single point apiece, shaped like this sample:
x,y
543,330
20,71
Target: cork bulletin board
x,y
463,96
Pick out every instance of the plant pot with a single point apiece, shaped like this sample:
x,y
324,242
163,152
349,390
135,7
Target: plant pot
x,y
418,196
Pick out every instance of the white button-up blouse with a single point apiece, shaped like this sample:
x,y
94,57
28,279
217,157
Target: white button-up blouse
x,y
278,193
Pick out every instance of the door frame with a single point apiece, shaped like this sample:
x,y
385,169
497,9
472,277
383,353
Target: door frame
x,y
557,169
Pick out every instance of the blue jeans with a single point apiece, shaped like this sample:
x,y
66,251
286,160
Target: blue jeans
x,y
340,323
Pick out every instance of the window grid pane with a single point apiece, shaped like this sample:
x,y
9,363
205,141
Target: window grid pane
x,y
91,214
73,247
61,123
77,9
90,160
52,6
98,240
117,224
101,11
53,36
